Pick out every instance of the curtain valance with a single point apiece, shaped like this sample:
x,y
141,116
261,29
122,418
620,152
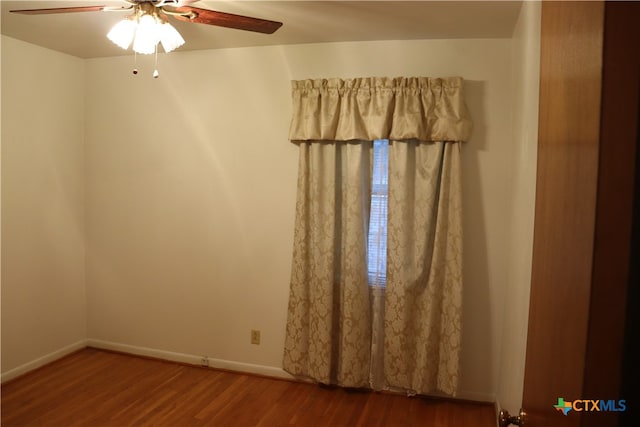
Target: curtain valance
x,y
403,108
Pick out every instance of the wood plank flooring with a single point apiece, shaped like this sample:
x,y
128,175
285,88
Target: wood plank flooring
x,y
98,388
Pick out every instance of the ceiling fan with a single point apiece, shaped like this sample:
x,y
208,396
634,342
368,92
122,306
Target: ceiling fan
x,y
177,8
149,24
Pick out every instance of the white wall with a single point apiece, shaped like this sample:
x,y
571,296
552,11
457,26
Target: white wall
x,y
43,284
190,193
515,306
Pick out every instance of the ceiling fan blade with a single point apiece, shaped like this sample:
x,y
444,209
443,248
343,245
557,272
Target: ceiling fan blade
x,y
67,10
229,20
60,10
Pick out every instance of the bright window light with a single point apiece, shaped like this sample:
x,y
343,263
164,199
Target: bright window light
x,y
377,239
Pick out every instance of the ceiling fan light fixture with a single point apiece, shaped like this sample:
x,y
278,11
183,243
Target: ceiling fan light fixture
x,y
122,33
170,37
146,28
147,35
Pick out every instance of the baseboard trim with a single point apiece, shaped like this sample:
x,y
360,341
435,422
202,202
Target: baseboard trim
x,y
267,371
41,361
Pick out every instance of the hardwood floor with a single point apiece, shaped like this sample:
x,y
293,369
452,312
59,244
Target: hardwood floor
x,y
98,388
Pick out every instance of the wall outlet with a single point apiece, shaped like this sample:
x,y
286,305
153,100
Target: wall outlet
x,y
204,362
255,337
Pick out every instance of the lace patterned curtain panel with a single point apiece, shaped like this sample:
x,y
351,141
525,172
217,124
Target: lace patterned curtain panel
x,y
329,324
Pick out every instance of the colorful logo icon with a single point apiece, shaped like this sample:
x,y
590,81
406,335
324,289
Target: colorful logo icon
x,y
563,406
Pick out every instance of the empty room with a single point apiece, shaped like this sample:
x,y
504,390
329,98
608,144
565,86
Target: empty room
x,y
317,213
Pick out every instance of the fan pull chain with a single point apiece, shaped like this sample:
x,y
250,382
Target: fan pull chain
x,y
155,72
135,63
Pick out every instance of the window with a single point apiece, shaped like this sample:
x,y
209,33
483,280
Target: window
x,y
377,239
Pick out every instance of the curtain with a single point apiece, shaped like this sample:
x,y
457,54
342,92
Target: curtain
x,y
329,324
366,109
422,327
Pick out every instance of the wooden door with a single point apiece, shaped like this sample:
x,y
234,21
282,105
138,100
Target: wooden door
x,y
583,216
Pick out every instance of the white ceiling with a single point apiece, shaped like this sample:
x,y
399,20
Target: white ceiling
x,y
84,34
